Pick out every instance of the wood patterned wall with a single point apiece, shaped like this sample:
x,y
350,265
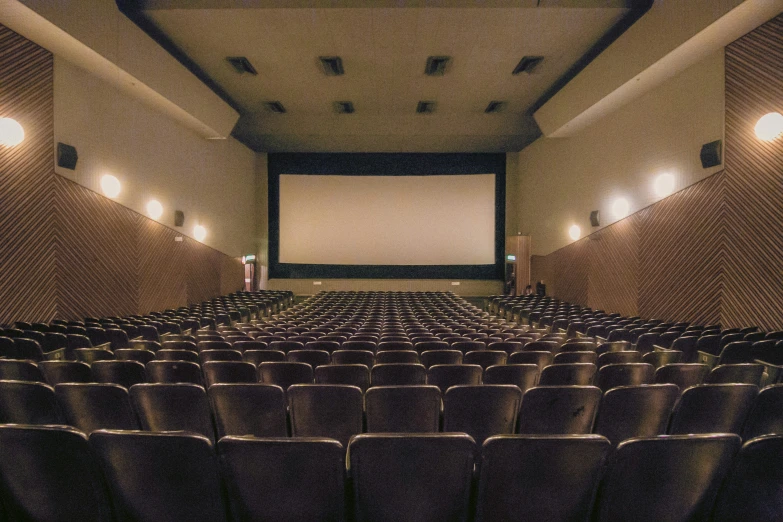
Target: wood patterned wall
x,y
66,251
712,252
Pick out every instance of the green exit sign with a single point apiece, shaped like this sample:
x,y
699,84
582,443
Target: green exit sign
x,y
511,258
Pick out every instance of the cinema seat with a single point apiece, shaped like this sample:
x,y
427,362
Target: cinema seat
x,y
173,407
285,374
541,358
556,410
481,411
403,409
56,372
325,410
411,477
268,493
444,376
625,374
93,406
754,487
228,372
535,477
397,374
352,374
19,370
671,478
766,416
576,374
713,408
23,402
161,476
249,409
123,373
635,411
50,473
485,358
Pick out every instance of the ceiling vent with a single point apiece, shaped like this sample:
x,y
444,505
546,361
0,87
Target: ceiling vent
x,y
242,65
495,106
436,65
527,64
343,107
275,106
333,65
425,107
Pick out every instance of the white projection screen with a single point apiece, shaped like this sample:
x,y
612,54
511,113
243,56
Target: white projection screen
x,y
387,220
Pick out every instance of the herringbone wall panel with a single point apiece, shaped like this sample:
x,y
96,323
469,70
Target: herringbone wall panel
x,y
97,258
161,269
681,254
613,270
753,267
27,267
714,251
66,251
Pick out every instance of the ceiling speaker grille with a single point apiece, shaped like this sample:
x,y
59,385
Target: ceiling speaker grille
x,y
343,107
425,107
332,65
528,64
242,65
275,106
436,65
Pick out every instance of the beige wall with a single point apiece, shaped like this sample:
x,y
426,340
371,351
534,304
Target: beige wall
x,y
562,179
211,181
262,219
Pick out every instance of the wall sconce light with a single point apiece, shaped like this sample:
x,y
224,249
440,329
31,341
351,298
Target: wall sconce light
x,y
11,132
769,126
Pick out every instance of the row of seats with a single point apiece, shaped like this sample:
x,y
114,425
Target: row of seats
x,y
341,411
58,473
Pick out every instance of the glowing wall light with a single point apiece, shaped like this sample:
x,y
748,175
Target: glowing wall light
x,y
11,133
620,208
154,209
199,232
575,232
770,126
110,186
664,185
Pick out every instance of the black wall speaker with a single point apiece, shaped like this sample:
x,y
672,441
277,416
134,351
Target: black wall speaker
x,y
66,156
711,154
179,218
595,218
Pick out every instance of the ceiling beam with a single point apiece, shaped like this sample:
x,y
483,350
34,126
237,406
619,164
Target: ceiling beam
x,y
345,4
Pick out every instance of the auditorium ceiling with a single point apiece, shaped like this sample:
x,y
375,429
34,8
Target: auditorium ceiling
x,y
384,46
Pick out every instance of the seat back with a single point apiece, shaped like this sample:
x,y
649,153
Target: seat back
x,y
553,410
411,477
134,354
539,477
90,407
124,373
481,411
524,376
23,402
219,355
314,358
256,409
285,374
628,374
397,357
20,370
325,410
485,358
684,375
753,489
169,354
49,473
173,372
541,359
433,357
736,373
445,376
268,493
635,411
575,357
56,372
228,372
397,374
576,374
713,408
160,476
403,409
173,407
256,357
351,374
673,478
766,416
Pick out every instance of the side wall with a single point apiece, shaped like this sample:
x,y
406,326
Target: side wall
x,y
66,251
711,252
155,158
